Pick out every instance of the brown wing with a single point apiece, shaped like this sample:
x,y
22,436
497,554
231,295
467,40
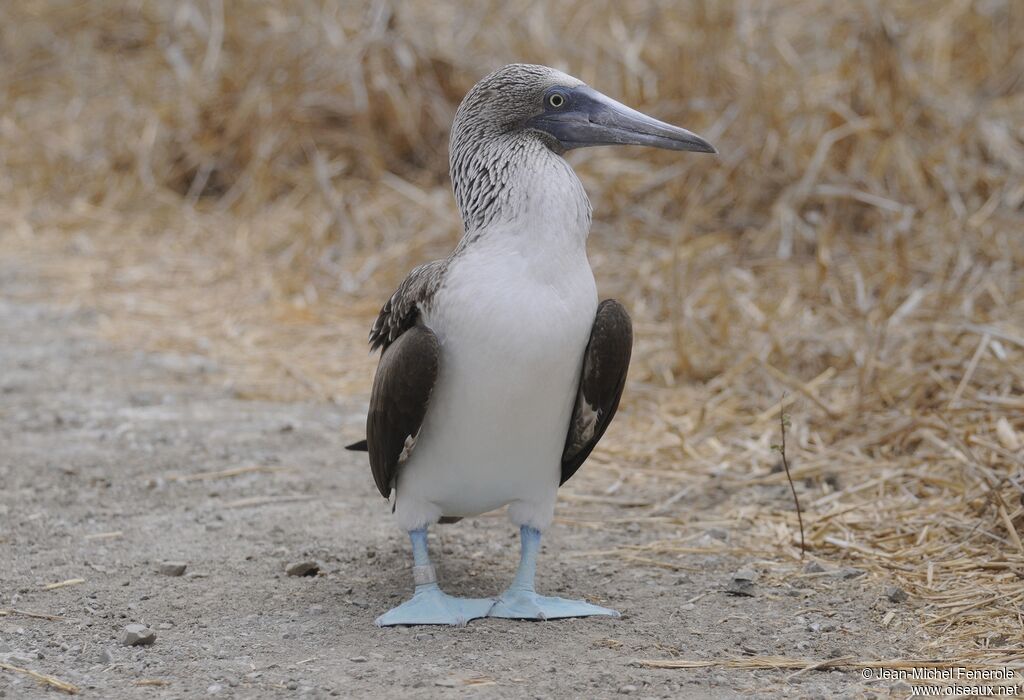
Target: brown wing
x,y
398,402
605,364
405,375
402,311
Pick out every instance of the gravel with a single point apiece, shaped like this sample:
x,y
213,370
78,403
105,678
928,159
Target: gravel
x,y
896,594
302,568
172,568
137,635
741,583
111,466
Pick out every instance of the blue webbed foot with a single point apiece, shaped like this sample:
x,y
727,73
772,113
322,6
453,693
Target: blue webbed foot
x,y
521,602
432,606
527,605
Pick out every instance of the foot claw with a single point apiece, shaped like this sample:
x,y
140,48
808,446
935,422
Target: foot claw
x,y
432,606
527,605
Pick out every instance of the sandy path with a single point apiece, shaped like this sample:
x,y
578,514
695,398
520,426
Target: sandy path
x,y
93,445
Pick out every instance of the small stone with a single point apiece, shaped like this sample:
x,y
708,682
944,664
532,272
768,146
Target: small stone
x,y
627,690
214,689
137,635
172,568
447,682
303,568
717,533
740,588
357,659
896,594
742,583
813,567
165,626
104,656
745,575
850,572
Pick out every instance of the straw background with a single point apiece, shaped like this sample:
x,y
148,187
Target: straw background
x,y
250,181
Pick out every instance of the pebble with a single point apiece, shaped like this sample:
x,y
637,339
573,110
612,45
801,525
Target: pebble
x,y
137,635
627,690
302,568
357,659
896,594
813,567
716,533
104,656
214,689
172,568
742,583
850,572
745,575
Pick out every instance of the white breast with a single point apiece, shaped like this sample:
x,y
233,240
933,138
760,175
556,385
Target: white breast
x,y
513,318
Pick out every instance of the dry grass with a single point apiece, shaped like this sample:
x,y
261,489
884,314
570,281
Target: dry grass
x,y
44,679
250,180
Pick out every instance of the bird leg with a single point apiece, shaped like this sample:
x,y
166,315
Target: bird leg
x,y
520,600
430,605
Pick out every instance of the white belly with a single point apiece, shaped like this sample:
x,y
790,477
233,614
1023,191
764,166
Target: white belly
x,y
512,331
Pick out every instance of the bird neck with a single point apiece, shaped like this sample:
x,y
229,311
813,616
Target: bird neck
x,y
516,183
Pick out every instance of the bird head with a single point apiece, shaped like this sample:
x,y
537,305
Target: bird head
x,y
562,112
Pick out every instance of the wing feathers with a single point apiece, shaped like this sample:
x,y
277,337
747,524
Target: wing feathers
x,y
605,364
402,310
398,402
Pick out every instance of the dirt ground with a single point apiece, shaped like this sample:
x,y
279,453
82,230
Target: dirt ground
x,y
108,466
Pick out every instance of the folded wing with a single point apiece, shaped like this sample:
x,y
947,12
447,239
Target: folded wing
x,y
605,364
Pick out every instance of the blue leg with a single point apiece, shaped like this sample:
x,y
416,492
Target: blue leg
x,y
429,605
520,601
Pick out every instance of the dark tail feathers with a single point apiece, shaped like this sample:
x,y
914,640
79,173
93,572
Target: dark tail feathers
x,y
360,446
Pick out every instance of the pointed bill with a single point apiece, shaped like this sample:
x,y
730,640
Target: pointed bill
x,y
585,117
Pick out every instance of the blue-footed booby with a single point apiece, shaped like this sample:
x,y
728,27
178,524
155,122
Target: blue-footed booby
x,y
499,370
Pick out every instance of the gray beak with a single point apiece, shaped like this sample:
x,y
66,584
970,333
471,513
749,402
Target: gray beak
x,y
585,117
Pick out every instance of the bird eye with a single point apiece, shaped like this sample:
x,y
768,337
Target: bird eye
x,y
556,100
